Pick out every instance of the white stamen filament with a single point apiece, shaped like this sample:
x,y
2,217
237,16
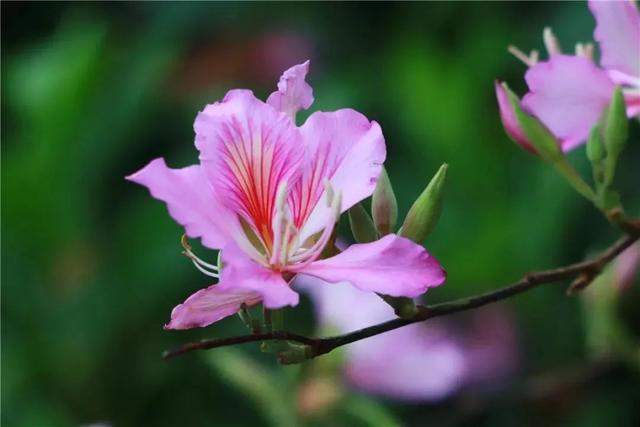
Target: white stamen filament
x,y
205,271
311,254
529,60
203,266
585,50
281,223
551,42
284,251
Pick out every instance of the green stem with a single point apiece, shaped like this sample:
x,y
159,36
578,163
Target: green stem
x,y
573,177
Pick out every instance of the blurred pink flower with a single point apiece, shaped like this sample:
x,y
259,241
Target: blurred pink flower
x,y
568,93
420,362
269,193
626,267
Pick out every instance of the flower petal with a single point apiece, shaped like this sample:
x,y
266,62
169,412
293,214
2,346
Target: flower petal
x,y
430,366
345,148
568,94
392,265
239,272
293,93
191,200
210,305
509,120
247,149
618,32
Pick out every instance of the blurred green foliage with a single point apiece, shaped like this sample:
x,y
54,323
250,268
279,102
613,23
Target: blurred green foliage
x,y
92,265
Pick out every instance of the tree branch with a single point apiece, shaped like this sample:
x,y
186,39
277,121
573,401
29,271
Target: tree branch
x,y
586,271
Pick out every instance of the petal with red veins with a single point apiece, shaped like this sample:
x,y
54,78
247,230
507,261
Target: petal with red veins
x,y
247,148
618,33
190,199
568,94
392,266
210,305
293,93
346,149
241,273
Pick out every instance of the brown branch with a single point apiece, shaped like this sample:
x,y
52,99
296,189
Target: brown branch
x,y
318,346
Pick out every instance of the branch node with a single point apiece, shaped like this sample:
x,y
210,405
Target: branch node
x,y
581,282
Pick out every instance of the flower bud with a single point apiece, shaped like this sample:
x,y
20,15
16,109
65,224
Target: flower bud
x,y
595,147
536,134
614,131
424,213
384,206
361,224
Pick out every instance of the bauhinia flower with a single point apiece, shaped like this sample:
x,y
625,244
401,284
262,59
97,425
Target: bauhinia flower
x,y
419,362
268,194
568,93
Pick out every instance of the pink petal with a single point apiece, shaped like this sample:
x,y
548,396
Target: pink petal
x,y
430,365
345,148
392,265
210,305
509,120
247,148
293,93
568,94
240,272
632,99
190,199
626,267
618,32
414,363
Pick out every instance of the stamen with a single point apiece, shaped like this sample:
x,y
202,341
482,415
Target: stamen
x,y
551,42
204,271
201,265
311,254
585,50
328,192
529,60
284,252
280,224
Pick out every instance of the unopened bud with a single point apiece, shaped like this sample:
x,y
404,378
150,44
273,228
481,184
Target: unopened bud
x,y
595,147
615,129
384,206
537,135
361,224
424,213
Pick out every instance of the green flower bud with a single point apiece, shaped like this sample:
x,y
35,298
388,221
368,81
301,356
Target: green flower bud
x,y
384,206
615,129
543,141
424,213
595,147
362,226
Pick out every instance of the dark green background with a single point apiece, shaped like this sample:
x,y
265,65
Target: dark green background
x,y
91,265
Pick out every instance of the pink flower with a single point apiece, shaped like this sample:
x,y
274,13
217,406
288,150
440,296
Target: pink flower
x,y
569,93
626,267
269,193
420,362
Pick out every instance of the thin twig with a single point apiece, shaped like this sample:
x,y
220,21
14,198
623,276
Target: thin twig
x,y
319,346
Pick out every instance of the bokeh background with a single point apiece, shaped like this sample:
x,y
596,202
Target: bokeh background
x,y
91,265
